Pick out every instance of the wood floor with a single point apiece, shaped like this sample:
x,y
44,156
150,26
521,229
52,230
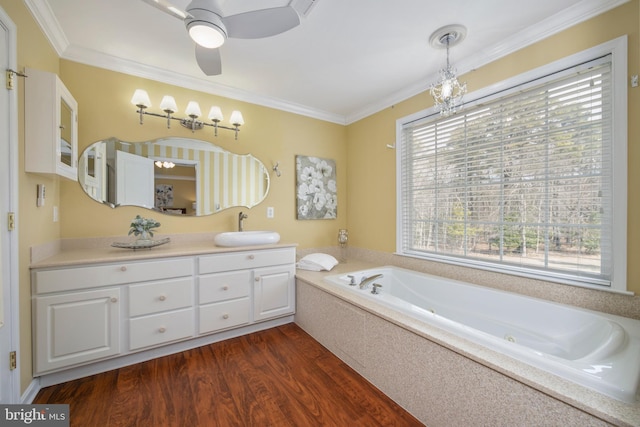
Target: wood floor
x,y
278,377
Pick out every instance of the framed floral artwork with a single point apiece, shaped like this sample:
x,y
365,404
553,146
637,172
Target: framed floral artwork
x,y
316,189
164,196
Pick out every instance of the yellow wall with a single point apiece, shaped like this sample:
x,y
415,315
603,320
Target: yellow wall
x,y
371,166
365,167
270,135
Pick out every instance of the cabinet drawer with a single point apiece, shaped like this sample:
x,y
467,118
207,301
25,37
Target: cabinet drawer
x,y
224,286
160,328
156,297
245,260
223,315
110,274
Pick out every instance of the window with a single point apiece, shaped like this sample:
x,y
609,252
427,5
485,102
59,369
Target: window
x,y
521,180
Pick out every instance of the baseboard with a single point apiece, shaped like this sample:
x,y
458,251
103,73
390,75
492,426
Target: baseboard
x,y
31,392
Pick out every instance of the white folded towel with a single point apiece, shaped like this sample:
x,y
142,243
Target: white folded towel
x,y
317,262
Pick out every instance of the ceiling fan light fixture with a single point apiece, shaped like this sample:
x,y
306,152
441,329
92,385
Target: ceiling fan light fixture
x,y
206,28
206,35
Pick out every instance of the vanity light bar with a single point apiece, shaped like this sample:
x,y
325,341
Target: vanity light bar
x,y
168,104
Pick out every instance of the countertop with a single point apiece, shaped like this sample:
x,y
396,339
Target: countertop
x,y
93,251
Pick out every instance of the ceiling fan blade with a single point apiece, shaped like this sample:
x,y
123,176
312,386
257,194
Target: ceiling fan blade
x,y
261,23
209,60
168,7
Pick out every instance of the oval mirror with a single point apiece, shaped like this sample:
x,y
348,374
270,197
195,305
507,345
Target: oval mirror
x,y
176,176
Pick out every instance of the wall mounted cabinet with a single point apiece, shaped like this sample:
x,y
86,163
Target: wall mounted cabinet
x,y
51,126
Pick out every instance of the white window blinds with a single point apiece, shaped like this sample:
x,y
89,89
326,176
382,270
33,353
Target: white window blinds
x,y
519,181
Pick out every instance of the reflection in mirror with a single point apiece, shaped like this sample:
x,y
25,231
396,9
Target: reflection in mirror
x,y
66,149
177,176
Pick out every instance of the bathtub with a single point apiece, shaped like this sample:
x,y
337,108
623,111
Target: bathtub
x,y
593,349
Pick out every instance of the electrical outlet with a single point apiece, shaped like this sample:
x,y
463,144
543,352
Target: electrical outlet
x,y
270,212
56,215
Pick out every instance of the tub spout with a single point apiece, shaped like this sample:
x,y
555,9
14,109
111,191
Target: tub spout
x,y
366,280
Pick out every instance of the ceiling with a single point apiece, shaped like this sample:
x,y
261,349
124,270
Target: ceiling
x,y
345,61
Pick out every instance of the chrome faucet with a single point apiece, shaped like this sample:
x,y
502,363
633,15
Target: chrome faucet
x,y
241,217
366,280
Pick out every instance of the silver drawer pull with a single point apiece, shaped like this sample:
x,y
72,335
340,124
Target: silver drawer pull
x,y
225,288
251,257
123,268
162,329
114,299
162,297
257,279
225,316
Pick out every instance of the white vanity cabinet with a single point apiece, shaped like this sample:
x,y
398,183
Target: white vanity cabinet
x,y
92,317
80,313
227,283
51,126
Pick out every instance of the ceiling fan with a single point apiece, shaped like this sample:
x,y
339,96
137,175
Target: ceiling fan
x,y
209,27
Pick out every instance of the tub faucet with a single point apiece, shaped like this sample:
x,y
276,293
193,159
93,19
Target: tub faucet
x,y
241,217
366,280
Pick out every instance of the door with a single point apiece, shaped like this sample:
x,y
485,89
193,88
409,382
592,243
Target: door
x,y
134,180
9,379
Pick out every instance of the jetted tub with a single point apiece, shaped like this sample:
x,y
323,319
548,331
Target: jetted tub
x,y
596,350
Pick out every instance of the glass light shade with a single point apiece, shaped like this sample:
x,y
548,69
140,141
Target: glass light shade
x,y
215,114
206,35
447,89
141,97
168,104
236,118
193,109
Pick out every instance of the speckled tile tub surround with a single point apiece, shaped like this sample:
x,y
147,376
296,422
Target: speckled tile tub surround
x,y
487,387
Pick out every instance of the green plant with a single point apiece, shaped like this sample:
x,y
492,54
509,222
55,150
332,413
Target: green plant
x,y
143,226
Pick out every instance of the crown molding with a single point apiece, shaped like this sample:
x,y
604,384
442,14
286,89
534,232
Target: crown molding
x,y
42,13
569,17
113,63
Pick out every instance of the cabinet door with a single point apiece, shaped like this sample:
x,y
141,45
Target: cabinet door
x,y
273,292
134,180
76,328
51,130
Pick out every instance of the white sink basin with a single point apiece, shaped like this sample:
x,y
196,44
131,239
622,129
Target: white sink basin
x,y
246,238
